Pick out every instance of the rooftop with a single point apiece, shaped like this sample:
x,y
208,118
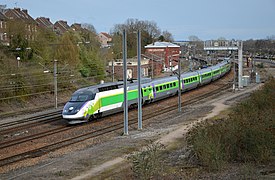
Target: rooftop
x,y
161,45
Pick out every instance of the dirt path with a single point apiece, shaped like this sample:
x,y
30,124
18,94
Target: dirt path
x,y
176,133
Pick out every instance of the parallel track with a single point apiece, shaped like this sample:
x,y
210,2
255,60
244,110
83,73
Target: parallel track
x,y
30,122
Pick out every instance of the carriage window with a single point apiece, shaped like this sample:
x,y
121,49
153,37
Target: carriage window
x,y
160,88
174,83
157,88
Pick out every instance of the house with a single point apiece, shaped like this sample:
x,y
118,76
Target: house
x,y
132,65
167,51
44,23
60,27
17,18
76,27
3,29
104,39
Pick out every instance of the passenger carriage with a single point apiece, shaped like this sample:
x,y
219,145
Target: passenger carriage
x,y
190,80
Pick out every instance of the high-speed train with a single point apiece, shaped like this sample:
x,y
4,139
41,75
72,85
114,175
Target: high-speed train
x,y
105,99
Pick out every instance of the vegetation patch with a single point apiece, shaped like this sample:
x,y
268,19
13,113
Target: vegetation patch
x,y
246,135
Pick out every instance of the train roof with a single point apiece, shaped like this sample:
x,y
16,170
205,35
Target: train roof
x,y
99,87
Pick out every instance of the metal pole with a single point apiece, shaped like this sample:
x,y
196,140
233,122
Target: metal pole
x,y
240,55
139,81
179,94
234,68
152,67
125,83
113,71
55,83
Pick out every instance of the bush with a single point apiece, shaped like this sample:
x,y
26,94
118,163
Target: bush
x,y
147,163
247,135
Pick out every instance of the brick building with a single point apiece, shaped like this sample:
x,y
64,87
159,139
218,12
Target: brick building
x,y
60,27
19,18
166,52
132,65
3,29
44,22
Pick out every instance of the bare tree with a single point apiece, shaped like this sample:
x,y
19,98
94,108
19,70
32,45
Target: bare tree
x,y
166,36
193,38
149,32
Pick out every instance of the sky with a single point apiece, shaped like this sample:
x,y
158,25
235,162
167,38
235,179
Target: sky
x,y
206,19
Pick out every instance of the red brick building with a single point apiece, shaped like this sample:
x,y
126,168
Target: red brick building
x,y
60,27
19,18
166,52
3,29
44,22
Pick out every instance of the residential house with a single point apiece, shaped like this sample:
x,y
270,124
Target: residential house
x,y
76,27
60,27
44,23
3,29
104,39
19,17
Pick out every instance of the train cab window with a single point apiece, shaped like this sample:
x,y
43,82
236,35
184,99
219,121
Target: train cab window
x,y
82,97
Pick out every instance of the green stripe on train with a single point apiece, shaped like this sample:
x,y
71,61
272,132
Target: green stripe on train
x,y
118,98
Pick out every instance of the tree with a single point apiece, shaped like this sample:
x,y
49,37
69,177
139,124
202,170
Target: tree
x,y
67,50
149,33
166,36
193,38
221,38
89,27
43,52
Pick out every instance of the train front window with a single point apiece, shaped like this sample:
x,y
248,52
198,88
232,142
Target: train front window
x,y
82,97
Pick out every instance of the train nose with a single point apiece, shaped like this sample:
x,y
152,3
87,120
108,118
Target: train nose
x,y
71,108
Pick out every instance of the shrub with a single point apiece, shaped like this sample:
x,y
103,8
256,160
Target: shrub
x,y
247,135
147,163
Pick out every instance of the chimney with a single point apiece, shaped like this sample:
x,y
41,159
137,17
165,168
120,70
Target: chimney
x,y
25,11
17,9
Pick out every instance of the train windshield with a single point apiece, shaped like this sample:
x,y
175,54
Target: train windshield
x,y
82,97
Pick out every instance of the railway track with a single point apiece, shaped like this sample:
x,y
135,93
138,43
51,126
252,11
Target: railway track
x,y
87,135
36,119
26,123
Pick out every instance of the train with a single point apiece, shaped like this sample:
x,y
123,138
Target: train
x,y
105,99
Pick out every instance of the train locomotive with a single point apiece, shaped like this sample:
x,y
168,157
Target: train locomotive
x,y
104,99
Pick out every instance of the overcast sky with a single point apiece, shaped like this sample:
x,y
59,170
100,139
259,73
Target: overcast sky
x,y
206,19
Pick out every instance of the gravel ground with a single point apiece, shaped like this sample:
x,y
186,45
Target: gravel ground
x,y
88,161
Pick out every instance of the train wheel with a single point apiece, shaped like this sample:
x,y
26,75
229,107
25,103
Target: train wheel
x,y
91,118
